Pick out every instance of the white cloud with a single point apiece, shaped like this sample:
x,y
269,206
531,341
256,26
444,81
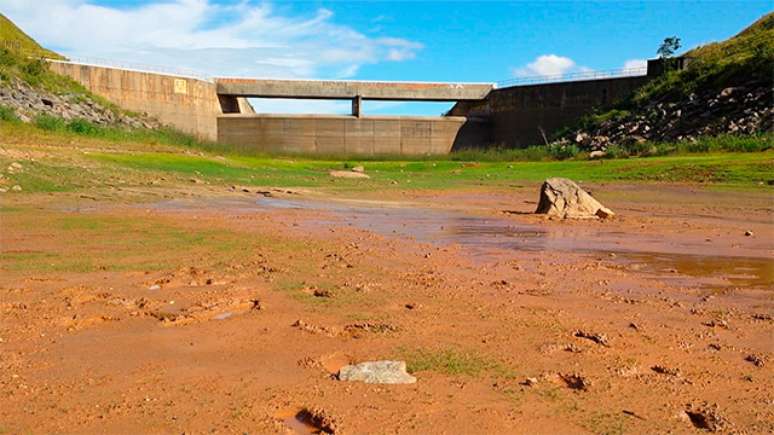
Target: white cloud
x,y
243,39
546,65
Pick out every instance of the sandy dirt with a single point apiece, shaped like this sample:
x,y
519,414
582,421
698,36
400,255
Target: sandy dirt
x,y
231,312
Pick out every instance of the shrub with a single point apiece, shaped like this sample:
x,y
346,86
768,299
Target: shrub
x,y
35,67
7,114
615,151
83,127
562,151
51,123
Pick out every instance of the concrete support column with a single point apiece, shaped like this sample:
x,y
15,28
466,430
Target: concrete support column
x,y
357,104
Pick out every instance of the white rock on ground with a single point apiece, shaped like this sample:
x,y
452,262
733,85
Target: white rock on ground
x,y
564,199
348,174
377,372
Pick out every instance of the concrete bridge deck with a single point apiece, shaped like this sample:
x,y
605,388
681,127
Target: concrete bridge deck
x,y
348,90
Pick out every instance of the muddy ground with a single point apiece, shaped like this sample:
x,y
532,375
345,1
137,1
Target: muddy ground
x,y
211,310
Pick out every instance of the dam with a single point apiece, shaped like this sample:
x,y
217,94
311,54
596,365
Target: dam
x,y
483,115
354,134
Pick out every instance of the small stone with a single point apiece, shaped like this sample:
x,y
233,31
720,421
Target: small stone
x,y
663,370
377,372
530,382
223,316
707,417
359,169
575,381
593,336
154,287
347,174
16,188
758,360
748,233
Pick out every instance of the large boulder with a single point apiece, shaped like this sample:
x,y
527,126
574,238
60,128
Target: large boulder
x,y
564,199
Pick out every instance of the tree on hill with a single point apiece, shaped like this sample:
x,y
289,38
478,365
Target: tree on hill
x,y
668,47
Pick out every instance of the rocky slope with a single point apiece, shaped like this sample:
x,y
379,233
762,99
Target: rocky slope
x,y
725,89
733,110
28,103
30,89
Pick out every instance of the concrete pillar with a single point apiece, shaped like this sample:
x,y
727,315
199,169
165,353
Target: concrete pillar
x,y
357,103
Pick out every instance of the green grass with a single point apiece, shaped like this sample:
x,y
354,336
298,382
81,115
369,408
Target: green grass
x,y
84,128
449,361
744,58
733,168
136,157
8,115
113,244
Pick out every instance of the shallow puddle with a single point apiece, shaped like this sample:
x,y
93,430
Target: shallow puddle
x,y
704,271
683,262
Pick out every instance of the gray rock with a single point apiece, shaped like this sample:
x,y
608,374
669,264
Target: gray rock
x,y
563,198
377,372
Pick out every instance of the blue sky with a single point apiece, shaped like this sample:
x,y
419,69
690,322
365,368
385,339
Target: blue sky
x,y
429,41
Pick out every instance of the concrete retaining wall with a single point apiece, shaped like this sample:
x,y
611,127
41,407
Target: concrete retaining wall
x,y
517,115
325,134
188,104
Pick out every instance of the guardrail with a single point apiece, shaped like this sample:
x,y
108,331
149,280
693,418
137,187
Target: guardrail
x,y
572,77
139,67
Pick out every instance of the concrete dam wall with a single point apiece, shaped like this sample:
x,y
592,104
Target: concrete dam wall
x,y
333,134
188,104
483,116
520,116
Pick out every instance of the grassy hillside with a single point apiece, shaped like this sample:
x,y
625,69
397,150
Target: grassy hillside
x,y
745,58
11,37
725,91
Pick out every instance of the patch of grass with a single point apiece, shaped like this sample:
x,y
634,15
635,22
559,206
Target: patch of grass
x,y
7,114
50,123
607,423
82,127
735,168
113,244
448,361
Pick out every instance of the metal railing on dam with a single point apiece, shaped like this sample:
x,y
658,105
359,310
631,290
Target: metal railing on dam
x,y
137,67
574,77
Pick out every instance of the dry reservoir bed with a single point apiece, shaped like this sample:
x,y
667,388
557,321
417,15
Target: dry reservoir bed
x,y
234,313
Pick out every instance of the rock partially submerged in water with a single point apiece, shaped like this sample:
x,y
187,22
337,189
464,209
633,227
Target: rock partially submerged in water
x,y
564,199
377,372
